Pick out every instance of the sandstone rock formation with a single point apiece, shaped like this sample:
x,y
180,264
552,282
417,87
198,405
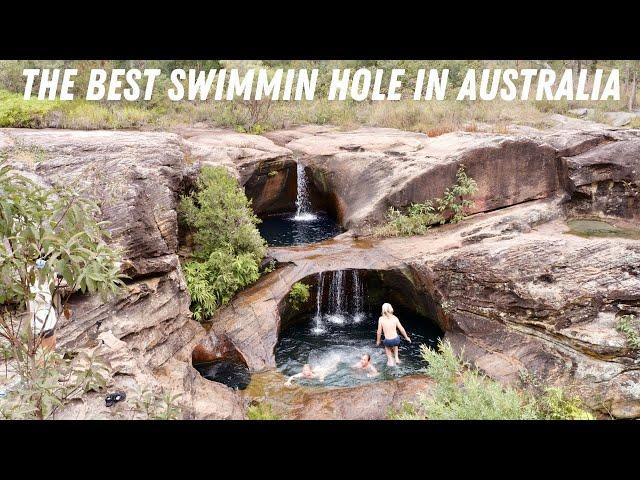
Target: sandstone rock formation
x,y
366,402
267,171
605,179
510,286
147,329
373,401
399,168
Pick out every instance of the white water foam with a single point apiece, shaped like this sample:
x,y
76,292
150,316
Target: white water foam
x,y
336,318
305,217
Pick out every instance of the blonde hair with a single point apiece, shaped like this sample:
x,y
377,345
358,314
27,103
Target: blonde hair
x,y
387,309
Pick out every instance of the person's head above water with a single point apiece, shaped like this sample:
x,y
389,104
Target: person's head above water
x,y
306,370
387,309
365,359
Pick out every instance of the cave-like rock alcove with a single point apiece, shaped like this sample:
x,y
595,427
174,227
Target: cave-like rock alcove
x,y
310,218
337,325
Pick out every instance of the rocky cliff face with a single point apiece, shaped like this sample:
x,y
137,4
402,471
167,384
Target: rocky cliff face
x,y
511,286
146,332
605,179
399,168
266,171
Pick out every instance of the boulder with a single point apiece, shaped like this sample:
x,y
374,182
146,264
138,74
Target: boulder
x,y
581,112
373,401
620,119
606,179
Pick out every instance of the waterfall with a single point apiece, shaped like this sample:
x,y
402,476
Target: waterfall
x,y
336,312
303,204
358,296
319,294
339,309
336,293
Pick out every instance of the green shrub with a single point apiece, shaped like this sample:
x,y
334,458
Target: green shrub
x,y
555,404
628,326
84,115
212,283
51,383
419,217
299,295
220,216
58,227
228,246
156,406
406,411
261,411
463,393
20,113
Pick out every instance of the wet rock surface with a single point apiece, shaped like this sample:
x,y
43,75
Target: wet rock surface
x,y
373,401
367,402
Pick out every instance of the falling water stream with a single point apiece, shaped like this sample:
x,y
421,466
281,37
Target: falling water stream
x,y
303,204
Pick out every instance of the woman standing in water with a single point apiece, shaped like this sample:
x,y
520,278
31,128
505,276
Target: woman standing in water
x,y
389,324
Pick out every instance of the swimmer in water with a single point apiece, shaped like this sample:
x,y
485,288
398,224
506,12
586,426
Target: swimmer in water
x,y
389,324
309,373
366,365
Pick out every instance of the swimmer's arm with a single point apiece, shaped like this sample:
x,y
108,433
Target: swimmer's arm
x,y
373,371
379,332
403,332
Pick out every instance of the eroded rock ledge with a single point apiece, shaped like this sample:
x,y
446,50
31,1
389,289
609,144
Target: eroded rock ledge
x,y
513,289
511,285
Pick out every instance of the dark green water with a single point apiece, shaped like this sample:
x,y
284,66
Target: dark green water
x,y
232,374
589,228
292,229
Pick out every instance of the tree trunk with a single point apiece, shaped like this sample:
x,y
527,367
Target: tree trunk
x,y
632,94
627,78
